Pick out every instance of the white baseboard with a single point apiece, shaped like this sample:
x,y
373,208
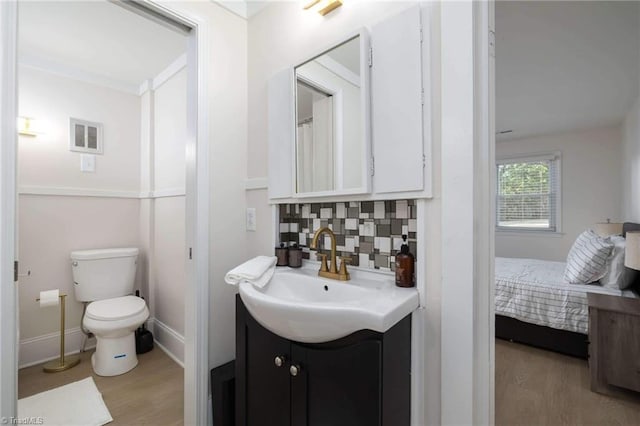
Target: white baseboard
x,y
37,350
167,339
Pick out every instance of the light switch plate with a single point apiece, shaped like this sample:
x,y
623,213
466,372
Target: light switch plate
x,y
87,163
251,219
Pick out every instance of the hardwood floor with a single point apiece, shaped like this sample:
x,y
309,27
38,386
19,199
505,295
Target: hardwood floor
x,y
150,394
538,387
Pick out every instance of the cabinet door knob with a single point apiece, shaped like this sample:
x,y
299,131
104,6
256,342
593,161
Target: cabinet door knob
x,y
279,361
294,370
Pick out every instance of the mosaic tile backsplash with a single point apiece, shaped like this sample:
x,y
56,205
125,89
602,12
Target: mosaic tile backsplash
x,y
370,232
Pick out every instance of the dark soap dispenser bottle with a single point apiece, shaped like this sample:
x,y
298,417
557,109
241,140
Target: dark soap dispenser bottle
x,y
405,266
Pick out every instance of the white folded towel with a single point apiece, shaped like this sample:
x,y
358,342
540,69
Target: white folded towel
x,y
257,271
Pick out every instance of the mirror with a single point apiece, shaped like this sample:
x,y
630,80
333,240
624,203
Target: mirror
x,y
332,138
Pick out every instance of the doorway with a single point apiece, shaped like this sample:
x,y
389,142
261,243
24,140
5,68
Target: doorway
x,y
195,250
563,95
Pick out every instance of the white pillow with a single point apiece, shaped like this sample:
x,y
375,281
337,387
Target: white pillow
x,y
615,263
587,259
618,276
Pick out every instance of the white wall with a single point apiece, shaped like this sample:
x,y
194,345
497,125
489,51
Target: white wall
x,y
51,226
283,35
631,165
144,151
46,160
227,103
165,216
170,132
591,191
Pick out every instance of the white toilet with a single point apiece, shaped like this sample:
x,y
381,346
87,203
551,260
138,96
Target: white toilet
x,y
105,277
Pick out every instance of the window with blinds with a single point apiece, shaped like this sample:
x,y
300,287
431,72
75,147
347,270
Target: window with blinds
x,y
528,194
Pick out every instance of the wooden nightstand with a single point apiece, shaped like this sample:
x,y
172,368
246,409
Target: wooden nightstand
x,y
614,343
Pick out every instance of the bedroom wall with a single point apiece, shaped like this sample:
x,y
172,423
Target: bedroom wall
x,y
631,164
591,191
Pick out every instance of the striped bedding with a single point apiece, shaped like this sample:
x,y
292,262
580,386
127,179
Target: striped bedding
x,y
534,291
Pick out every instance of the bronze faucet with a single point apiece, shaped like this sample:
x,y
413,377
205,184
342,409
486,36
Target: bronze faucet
x,y
331,272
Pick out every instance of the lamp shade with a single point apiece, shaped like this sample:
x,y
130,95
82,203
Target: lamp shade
x,y
604,229
632,250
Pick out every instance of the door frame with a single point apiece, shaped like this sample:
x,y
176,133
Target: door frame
x,y
467,224
8,148
196,349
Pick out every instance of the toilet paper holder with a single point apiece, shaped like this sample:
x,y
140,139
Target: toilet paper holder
x,y
64,362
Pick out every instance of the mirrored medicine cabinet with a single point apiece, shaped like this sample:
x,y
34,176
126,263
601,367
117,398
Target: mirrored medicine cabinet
x,y
332,136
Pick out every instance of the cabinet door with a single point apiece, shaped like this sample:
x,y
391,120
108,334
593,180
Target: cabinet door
x,y
621,352
338,386
396,111
280,134
264,394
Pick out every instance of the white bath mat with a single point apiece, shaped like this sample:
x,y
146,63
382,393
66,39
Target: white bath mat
x,y
78,403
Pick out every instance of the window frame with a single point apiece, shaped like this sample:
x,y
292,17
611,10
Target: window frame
x,y
555,157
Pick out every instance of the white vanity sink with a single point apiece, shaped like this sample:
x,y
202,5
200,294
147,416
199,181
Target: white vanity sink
x,y
300,306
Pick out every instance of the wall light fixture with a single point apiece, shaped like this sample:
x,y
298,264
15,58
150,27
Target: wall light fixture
x,y
322,6
27,126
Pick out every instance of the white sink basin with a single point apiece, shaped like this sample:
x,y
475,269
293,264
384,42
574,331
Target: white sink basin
x,y
300,306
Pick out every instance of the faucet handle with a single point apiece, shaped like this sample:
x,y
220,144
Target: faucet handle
x,y
343,265
323,262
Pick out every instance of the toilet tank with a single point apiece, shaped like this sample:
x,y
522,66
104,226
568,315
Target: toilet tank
x,y
103,273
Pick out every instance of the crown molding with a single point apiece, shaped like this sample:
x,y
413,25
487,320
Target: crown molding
x,y
53,67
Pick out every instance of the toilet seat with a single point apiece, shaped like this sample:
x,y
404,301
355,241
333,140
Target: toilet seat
x,y
116,309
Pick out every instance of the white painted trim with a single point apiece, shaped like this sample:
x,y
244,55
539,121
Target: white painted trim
x,y
238,8
457,319
52,67
242,8
169,340
174,68
519,232
76,192
39,349
8,248
419,325
338,69
104,193
170,355
63,70
484,215
196,339
164,193
145,86
256,183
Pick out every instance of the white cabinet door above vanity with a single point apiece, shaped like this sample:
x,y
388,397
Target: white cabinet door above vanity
x,y
350,120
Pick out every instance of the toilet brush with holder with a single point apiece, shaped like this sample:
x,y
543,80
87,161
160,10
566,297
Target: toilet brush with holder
x,y
47,298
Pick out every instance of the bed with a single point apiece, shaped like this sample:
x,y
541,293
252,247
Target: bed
x,y
536,307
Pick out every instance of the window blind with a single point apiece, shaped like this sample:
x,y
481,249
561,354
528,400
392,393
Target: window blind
x,y
527,194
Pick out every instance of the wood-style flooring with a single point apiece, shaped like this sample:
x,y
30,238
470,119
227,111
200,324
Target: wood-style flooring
x,y
538,387
150,394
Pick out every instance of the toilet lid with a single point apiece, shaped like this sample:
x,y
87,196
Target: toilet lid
x,y
115,309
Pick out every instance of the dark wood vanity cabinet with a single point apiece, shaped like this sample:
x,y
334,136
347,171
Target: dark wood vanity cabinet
x,y
362,379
